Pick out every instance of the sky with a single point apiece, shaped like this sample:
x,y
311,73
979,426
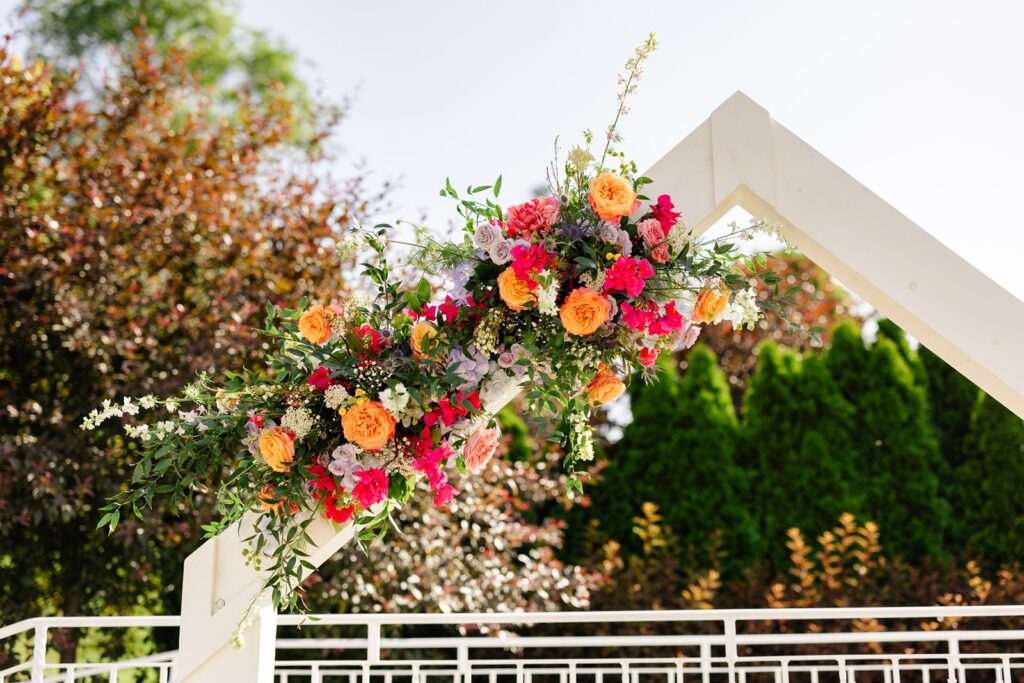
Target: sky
x,y
920,100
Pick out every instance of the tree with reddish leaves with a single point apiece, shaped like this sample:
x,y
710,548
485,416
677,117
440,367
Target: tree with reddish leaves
x,y
142,231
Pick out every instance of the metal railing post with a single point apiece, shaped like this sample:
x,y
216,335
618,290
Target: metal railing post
x,y
373,642
462,655
705,662
954,658
38,654
731,651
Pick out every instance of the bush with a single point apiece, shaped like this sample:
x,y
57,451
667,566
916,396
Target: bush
x,y
797,446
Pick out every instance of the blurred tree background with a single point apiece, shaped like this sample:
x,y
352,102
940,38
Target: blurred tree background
x,y
163,174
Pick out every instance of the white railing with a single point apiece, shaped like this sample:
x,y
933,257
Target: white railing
x,y
935,645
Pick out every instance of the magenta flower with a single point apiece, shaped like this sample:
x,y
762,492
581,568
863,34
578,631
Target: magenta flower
x,y
664,213
372,487
629,275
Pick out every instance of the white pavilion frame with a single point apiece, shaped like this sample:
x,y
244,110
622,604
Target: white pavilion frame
x,y
739,156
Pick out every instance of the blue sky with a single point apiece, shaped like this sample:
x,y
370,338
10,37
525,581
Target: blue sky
x,y
922,101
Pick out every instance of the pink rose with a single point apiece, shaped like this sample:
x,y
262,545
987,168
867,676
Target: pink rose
x,y
535,217
651,231
660,254
479,448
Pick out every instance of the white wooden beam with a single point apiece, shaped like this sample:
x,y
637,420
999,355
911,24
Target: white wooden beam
x,y
217,589
740,156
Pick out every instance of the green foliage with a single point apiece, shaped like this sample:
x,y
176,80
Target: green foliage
x,y
521,444
887,329
221,52
953,398
987,486
899,462
797,435
679,454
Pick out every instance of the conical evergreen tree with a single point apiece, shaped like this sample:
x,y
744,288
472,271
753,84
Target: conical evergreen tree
x,y
900,464
678,452
710,489
797,445
953,398
889,330
989,508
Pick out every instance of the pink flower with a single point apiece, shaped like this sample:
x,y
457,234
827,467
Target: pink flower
x,y
320,378
636,318
629,274
663,212
444,494
669,322
533,218
651,231
648,357
479,448
660,254
429,463
372,487
528,260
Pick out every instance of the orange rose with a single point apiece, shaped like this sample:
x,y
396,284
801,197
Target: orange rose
x,y
612,197
420,333
514,292
277,446
368,425
710,305
314,325
605,387
584,311
268,504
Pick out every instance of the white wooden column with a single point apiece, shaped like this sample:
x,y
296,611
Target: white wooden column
x,y
217,589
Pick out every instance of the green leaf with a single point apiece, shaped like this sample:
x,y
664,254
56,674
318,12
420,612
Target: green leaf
x,y
423,290
497,186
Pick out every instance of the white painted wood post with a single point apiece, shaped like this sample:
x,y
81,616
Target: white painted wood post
x,y
217,589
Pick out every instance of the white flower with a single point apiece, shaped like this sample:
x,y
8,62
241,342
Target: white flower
x,y
581,436
743,310
350,246
679,238
485,235
500,252
546,296
395,398
148,402
335,396
299,421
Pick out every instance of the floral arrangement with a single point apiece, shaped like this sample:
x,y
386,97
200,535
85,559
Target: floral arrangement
x,y
365,399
